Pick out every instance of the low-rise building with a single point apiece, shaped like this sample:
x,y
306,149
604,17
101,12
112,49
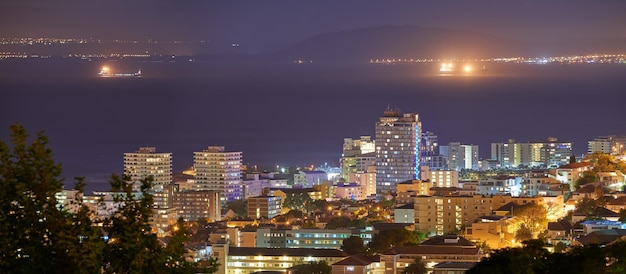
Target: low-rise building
x,y
404,214
560,230
501,185
494,230
452,267
309,178
196,204
617,204
309,238
435,250
264,206
359,264
245,260
352,191
440,178
442,214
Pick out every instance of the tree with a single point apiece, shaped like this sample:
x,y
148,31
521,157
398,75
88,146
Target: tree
x,y
416,267
321,205
299,200
586,206
174,252
560,247
132,247
588,177
523,233
484,247
41,236
35,232
529,259
386,239
532,214
353,245
238,206
338,222
319,267
622,215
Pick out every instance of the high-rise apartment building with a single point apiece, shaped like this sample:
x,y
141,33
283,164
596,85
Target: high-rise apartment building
x,y
354,150
147,162
430,152
550,153
219,170
460,156
398,141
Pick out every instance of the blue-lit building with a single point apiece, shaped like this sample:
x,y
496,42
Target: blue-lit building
x,y
397,149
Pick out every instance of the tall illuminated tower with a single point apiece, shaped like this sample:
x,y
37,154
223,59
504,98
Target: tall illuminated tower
x,y
147,162
397,149
220,170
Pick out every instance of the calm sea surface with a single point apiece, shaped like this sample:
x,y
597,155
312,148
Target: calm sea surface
x,y
291,114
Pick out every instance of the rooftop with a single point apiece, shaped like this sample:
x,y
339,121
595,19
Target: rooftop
x,y
292,252
358,259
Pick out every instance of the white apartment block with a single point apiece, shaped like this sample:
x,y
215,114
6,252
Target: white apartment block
x,y
147,162
440,178
219,170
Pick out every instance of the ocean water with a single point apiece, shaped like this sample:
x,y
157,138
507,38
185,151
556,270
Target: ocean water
x,y
288,114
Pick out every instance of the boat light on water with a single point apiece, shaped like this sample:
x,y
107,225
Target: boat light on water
x,y
106,72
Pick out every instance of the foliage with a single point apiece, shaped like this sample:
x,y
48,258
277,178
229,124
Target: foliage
x,y
512,260
321,205
294,213
338,222
344,222
386,239
238,206
604,163
309,224
484,247
416,267
174,252
588,177
523,233
131,247
534,259
560,247
531,213
35,232
301,201
622,215
319,267
354,245
41,236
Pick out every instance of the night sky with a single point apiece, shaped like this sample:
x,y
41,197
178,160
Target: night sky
x,y
261,26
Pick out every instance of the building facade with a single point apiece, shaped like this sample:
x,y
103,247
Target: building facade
x,y
459,157
309,178
147,162
264,206
442,214
353,150
219,170
398,142
440,178
550,153
245,260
